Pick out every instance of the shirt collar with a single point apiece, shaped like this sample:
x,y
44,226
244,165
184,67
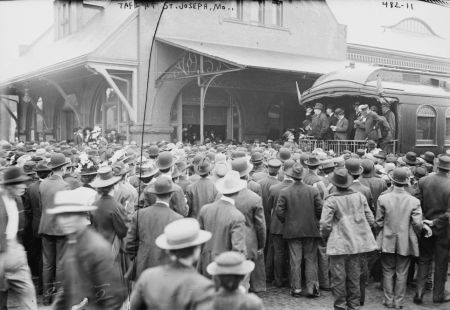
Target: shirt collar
x,y
227,199
162,202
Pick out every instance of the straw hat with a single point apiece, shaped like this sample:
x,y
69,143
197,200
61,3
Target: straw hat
x,y
231,183
71,201
230,263
181,234
242,166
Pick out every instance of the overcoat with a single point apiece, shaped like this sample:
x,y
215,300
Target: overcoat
x,y
251,207
199,194
319,126
276,227
90,272
265,184
236,300
109,219
299,207
172,286
341,132
227,225
48,188
399,219
146,225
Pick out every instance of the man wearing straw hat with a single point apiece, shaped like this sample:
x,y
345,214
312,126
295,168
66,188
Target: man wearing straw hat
x,y
52,238
224,221
176,285
16,287
90,279
149,223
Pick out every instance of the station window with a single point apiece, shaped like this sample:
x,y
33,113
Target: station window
x,y
258,12
426,125
447,126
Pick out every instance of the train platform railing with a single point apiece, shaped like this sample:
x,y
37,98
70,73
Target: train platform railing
x,y
338,146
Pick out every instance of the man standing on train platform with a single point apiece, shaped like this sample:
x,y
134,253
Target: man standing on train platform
x,y
390,118
319,123
434,194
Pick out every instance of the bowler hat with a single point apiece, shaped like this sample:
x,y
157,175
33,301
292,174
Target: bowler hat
x,y
231,183
295,172
419,172
203,167
284,154
242,166
444,162
318,106
105,178
71,201
181,234
57,160
400,176
42,166
14,175
428,157
230,263
313,161
257,157
410,158
162,185
353,165
165,160
341,178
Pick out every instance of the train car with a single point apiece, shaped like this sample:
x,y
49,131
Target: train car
x,y
422,108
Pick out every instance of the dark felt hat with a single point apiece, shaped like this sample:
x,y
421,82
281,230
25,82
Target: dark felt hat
x,y
341,178
14,175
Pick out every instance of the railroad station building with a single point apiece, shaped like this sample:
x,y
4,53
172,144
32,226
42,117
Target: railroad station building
x,y
230,70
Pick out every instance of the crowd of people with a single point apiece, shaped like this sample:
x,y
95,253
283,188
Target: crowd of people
x,y
361,124
103,225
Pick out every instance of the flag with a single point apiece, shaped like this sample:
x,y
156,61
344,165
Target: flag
x,y
379,85
299,95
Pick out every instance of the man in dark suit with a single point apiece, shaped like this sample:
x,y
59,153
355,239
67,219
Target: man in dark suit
x,y
176,285
434,194
149,223
299,208
319,123
90,278
276,227
340,129
332,120
52,238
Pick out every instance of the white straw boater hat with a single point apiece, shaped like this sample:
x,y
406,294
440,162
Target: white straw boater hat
x,y
71,201
181,234
231,183
230,263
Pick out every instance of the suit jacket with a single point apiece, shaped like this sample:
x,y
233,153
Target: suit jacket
x,y
266,183
109,219
434,194
32,198
48,188
399,219
199,194
251,207
332,120
146,225
254,187
358,187
227,225
177,200
276,227
376,186
90,272
341,132
172,286
299,208
311,178
236,300
319,126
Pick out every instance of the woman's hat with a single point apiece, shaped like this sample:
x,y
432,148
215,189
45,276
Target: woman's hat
x,y
105,178
162,185
341,178
242,166
57,160
71,201
181,234
14,175
231,183
230,263
165,160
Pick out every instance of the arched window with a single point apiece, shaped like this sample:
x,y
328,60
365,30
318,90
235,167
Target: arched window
x,y
426,125
447,126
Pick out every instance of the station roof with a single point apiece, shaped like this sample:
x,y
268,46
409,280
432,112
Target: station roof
x,y
245,57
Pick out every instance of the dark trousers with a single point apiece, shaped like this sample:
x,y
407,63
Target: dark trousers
x,y
279,258
34,255
436,246
345,273
299,249
52,251
398,266
269,258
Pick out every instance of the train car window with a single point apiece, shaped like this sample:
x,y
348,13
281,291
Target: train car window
x,y
426,125
447,126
